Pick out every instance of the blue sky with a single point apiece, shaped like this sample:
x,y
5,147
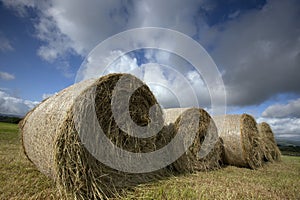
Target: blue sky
x,y
255,45
33,75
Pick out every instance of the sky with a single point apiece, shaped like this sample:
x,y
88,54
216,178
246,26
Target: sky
x,y
255,44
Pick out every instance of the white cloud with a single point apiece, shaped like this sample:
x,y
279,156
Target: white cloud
x,y
47,95
123,64
152,74
78,26
286,129
283,125
291,109
14,106
169,85
6,76
284,119
57,45
170,79
5,44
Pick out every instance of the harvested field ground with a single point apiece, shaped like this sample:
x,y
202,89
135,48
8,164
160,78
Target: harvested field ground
x,y
19,179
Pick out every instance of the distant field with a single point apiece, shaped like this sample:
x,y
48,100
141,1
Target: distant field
x,y
19,179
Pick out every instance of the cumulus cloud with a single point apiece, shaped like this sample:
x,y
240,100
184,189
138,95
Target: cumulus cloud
x,y
6,76
88,29
85,30
64,26
14,106
124,64
283,126
47,95
170,82
169,86
57,44
5,44
284,119
291,109
257,50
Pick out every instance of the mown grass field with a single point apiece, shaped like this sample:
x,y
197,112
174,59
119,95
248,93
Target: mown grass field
x,y
19,179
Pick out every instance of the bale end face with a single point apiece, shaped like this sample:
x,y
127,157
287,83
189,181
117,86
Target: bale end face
x,y
205,150
270,149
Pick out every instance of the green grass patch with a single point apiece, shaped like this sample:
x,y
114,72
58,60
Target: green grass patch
x,y
19,179
8,132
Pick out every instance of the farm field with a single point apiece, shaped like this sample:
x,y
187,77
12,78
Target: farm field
x,y
19,179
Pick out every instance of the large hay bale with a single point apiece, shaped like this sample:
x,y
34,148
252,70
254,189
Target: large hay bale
x,y
271,151
241,140
206,149
52,143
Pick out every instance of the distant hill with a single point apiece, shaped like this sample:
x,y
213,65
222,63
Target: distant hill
x,y
289,150
289,145
288,141
10,118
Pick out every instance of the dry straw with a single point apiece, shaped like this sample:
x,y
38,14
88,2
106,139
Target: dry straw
x,y
241,140
206,150
52,143
270,149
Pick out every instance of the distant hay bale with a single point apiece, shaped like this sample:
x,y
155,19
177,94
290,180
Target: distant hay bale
x,y
270,149
241,140
266,131
206,150
52,143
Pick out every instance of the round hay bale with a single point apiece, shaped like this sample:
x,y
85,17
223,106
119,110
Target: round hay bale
x,y
270,149
52,143
241,140
206,150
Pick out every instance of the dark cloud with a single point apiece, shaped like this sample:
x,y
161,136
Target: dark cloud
x,y
259,53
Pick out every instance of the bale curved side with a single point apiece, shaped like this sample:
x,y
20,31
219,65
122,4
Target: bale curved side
x,y
241,140
270,149
40,127
206,151
52,142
